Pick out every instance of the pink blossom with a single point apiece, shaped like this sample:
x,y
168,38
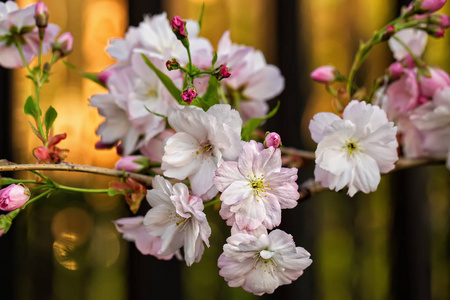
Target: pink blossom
x,y
403,94
13,197
178,218
324,74
414,39
133,230
272,139
433,120
261,263
353,151
21,22
256,187
430,85
131,163
154,148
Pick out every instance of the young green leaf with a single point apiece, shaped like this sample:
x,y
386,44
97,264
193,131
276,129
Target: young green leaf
x,y
30,108
200,19
214,59
50,117
252,124
168,83
91,76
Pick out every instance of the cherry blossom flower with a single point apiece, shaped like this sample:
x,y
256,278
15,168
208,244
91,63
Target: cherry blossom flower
x,y
19,26
256,187
133,230
354,150
262,263
203,140
178,219
324,74
433,121
414,39
253,80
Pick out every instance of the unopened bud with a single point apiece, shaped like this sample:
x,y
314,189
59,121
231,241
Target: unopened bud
x,y
222,72
428,6
188,95
41,14
435,31
179,27
442,20
103,76
395,70
132,163
13,197
324,74
272,139
389,32
64,44
172,64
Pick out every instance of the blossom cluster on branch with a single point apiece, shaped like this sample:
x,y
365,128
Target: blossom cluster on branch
x,y
185,118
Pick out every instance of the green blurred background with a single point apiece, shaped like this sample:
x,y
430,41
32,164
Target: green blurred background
x,y
391,244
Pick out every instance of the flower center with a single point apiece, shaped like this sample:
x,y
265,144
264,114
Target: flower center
x,y
178,220
205,147
351,147
264,261
258,186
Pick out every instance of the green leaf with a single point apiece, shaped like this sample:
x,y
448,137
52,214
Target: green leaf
x,y
50,117
112,192
252,124
211,96
30,108
91,76
200,19
168,83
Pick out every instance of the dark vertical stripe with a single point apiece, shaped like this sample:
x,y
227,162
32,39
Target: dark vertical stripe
x,y
150,278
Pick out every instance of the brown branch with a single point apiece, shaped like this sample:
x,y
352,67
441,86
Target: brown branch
x,y
309,155
145,179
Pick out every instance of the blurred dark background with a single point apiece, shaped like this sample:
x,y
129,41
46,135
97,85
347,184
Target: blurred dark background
x,y
391,244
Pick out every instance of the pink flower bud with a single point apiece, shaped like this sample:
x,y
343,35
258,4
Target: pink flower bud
x,y
179,27
324,74
409,62
438,80
444,20
13,197
395,70
172,65
64,44
41,14
224,72
389,32
103,76
188,95
272,139
130,163
428,6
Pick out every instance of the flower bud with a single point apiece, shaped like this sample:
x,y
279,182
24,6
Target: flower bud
x,y
428,6
324,74
172,64
179,27
222,72
63,45
13,197
443,20
133,191
395,70
103,76
389,32
188,95
132,163
272,139
41,14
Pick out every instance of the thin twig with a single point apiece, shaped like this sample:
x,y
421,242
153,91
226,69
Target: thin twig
x,y
145,179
